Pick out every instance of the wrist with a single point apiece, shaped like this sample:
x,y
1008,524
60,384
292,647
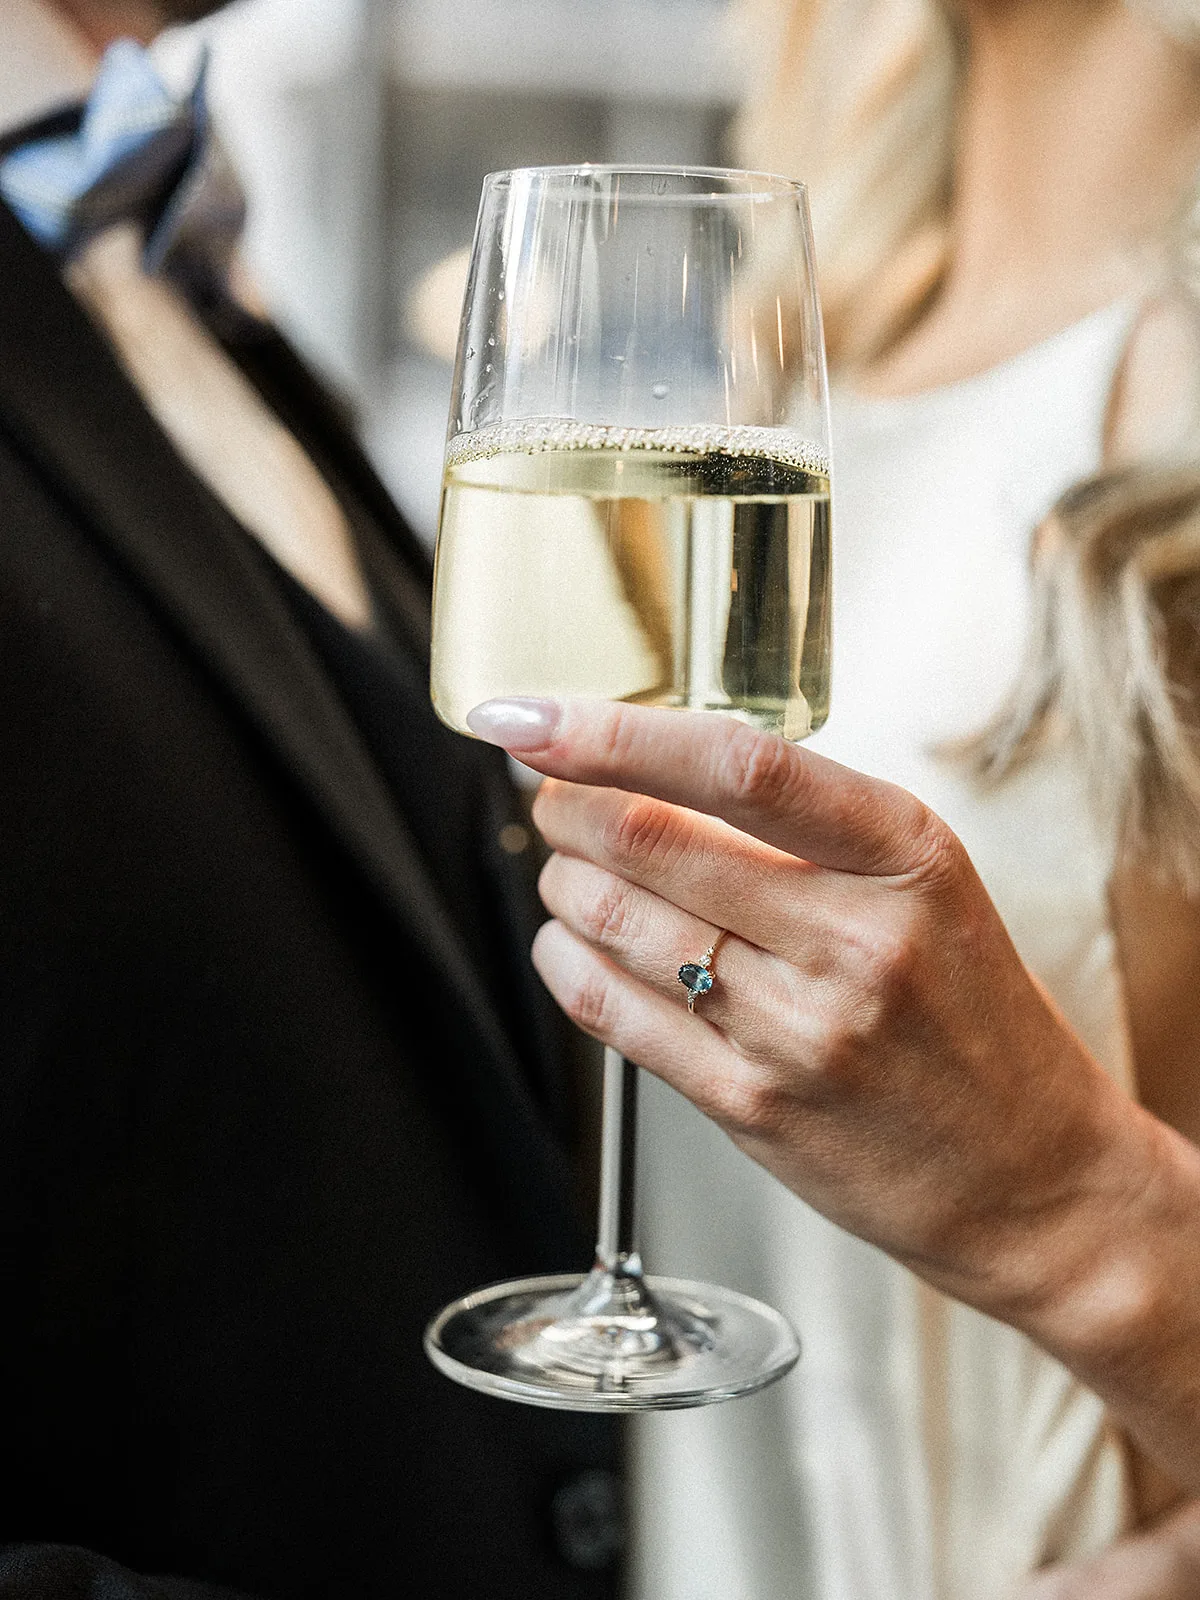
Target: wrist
x,y
1116,1293
1108,1264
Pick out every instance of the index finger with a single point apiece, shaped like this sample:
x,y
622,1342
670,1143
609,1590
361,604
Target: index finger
x,y
786,796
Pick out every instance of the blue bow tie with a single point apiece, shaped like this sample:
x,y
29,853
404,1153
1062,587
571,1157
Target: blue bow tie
x,y
139,155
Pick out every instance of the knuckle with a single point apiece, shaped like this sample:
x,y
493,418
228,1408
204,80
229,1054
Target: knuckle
x,y
938,856
833,1046
618,739
644,831
887,961
750,1104
590,1003
761,772
608,916
838,1046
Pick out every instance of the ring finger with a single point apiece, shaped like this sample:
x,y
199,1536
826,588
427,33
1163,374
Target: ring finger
x,y
757,1000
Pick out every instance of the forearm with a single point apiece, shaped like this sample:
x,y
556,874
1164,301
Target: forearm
x,y
1120,1305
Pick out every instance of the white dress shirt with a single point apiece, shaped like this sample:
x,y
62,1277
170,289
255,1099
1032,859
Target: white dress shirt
x,y
212,414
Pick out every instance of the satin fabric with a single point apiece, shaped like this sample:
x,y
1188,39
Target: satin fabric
x,y
920,1451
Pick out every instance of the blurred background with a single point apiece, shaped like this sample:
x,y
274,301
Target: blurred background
x,y
362,130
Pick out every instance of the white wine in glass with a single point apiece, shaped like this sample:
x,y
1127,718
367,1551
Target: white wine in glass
x,y
636,506
688,567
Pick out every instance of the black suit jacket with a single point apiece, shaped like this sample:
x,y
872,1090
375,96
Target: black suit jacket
x,y
264,1104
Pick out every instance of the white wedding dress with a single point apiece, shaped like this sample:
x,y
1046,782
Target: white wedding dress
x,y
920,1451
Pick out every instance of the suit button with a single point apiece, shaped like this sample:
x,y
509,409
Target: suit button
x,y
587,1514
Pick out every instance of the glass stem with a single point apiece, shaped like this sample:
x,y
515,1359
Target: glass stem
x,y
615,1249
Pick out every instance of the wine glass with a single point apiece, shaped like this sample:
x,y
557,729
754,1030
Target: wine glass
x,y
635,507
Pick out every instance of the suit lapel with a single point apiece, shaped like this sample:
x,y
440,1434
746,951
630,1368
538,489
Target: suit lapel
x,y
397,565
181,547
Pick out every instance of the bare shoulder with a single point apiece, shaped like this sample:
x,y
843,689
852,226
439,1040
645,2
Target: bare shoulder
x,y
1155,405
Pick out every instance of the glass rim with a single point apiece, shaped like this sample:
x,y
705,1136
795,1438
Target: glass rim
x,y
774,184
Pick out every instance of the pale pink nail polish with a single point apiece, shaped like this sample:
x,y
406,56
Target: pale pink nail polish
x,y
518,725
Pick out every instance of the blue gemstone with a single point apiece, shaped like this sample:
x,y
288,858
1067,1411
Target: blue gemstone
x,y
695,979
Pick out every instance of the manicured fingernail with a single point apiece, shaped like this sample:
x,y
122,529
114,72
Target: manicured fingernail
x,y
518,725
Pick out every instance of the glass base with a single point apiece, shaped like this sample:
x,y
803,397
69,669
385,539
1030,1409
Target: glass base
x,y
611,1342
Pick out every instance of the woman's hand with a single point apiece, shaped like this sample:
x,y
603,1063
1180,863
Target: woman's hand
x,y
872,1037
1162,1563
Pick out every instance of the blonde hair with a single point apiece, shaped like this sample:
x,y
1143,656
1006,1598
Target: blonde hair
x,y
861,103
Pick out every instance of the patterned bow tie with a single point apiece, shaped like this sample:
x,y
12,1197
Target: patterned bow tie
x,y
138,155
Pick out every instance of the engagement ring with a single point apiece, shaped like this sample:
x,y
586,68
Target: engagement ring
x,y
697,977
